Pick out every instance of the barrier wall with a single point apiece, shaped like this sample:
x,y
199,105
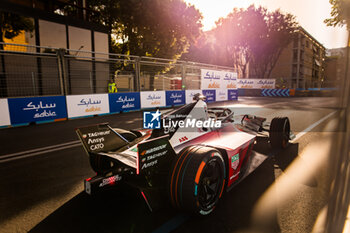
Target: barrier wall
x,y
21,111
87,105
37,109
4,113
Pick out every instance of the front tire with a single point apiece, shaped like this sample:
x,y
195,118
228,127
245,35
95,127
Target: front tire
x,y
279,132
197,179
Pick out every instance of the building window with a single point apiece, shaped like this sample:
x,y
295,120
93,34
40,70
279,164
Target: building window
x,y
295,42
295,55
294,71
307,44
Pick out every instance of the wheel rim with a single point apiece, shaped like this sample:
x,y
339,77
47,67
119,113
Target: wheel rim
x,y
210,184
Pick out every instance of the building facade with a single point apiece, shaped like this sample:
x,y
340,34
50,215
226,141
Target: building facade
x,y
59,24
301,64
335,66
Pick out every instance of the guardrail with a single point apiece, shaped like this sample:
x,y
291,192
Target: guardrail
x,y
23,111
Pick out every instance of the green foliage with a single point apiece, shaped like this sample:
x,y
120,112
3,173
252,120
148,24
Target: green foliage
x,y
340,14
11,25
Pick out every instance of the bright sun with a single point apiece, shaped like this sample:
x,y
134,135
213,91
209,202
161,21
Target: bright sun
x,y
213,10
313,23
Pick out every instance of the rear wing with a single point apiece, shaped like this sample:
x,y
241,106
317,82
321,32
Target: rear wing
x,y
100,138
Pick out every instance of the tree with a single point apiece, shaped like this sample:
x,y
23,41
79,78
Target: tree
x,y
256,37
340,14
277,35
11,25
152,28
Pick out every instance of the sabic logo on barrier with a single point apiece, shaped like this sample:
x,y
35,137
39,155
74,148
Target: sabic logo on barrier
x,y
155,99
212,75
151,120
214,85
40,106
126,102
246,83
176,97
88,102
266,82
231,85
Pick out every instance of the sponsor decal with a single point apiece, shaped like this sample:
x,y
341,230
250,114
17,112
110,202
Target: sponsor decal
x,y
265,84
212,75
124,101
210,95
154,99
183,139
33,109
232,94
230,80
151,120
256,83
210,79
175,97
110,180
87,105
99,133
88,102
245,83
235,161
95,140
221,95
152,150
155,153
151,99
150,156
190,94
231,86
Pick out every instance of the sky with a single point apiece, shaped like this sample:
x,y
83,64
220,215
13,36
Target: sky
x,y
309,14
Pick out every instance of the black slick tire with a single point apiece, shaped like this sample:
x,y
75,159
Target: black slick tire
x,y
279,132
197,179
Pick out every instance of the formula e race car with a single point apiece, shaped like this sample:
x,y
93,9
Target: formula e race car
x,y
190,158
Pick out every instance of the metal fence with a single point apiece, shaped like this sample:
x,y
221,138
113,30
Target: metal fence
x,y
27,70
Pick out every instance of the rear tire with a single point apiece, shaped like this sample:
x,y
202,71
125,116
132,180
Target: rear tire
x,y
197,179
100,164
279,132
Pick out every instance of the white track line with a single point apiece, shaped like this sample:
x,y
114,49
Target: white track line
x,y
308,129
39,151
67,145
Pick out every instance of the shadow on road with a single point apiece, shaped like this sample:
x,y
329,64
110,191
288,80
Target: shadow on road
x,y
120,209
123,209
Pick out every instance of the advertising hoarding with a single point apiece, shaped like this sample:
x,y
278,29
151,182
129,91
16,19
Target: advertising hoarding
x,y
211,79
87,105
232,94
190,94
210,94
221,95
34,109
152,99
119,102
4,113
229,80
175,98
